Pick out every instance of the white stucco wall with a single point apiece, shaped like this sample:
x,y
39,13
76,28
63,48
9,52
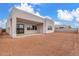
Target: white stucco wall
x,y
49,22
8,26
11,25
40,28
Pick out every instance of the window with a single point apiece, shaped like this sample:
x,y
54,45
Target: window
x,y
61,27
49,27
34,27
20,28
31,27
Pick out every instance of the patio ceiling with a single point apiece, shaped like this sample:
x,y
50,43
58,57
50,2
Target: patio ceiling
x,y
27,21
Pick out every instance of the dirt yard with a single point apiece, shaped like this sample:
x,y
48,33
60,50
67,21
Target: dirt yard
x,y
53,44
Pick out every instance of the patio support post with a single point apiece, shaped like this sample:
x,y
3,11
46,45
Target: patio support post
x,y
13,26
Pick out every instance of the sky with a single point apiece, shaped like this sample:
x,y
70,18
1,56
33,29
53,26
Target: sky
x,y
60,13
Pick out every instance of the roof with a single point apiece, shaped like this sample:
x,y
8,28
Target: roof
x,y
26,12
30,13
14,8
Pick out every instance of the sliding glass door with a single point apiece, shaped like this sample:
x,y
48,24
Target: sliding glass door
x,y
20,29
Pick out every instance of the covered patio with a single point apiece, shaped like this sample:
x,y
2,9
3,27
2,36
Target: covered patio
x,y
25,27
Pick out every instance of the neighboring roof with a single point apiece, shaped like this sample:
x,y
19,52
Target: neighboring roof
x,y
63,26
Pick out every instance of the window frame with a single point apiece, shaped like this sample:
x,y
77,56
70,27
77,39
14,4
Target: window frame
x,y
19,30
31,27
50,27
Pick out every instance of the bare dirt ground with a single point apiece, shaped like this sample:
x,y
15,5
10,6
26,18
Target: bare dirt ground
x,y
53,44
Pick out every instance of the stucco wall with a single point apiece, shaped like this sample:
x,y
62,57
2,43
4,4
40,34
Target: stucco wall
x,y
67,30
40,28
8,27
49,23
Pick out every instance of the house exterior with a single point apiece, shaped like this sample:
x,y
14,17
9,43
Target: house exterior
x,y
64,28
22,23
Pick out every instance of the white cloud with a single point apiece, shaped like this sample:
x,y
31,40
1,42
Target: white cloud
x,y
25,7
48,17
77,19
65,15
75,13
57,23
3,23
38,14
68,15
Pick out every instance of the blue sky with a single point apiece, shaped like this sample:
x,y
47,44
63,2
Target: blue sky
x,y
61,13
